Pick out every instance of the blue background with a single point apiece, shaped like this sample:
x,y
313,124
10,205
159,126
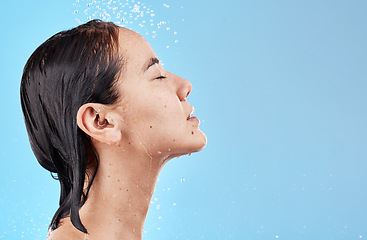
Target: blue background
x,y
280,87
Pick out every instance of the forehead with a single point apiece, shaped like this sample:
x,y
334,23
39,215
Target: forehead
x,y
134,49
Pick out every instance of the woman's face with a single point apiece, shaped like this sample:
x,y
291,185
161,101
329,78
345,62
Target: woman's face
x,y
155,112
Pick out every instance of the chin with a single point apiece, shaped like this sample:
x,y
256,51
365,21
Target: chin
x,y
186,146
197,144
203,142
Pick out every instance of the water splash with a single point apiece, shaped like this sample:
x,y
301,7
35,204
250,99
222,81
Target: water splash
x,y
135,15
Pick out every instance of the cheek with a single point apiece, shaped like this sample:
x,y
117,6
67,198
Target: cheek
x,y
152,110
156,117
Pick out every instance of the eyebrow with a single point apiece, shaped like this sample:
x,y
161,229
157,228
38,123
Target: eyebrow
x,y
150,63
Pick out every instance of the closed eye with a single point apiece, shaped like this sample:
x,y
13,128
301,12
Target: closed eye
x,y
161,77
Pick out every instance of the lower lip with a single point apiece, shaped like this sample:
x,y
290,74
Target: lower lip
x,y
194,119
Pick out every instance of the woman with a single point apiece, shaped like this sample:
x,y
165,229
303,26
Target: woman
x,y
103,114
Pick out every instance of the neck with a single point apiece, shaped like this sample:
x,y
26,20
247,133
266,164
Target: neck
x,y
120,195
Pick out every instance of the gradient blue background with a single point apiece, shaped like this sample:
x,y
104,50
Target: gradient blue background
x,y
280,87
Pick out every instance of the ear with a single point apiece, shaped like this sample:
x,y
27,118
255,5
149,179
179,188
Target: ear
x,y
96,120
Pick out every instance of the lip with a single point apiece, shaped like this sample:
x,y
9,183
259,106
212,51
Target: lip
x,y
194,119
191,118
191,113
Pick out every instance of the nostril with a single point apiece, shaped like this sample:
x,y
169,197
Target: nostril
x,y
183,93
188,93
183,88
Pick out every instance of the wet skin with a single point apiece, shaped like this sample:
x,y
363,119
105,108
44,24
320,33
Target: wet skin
x,y
134,137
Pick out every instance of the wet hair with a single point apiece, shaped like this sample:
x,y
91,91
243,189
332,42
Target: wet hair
x,y
70,69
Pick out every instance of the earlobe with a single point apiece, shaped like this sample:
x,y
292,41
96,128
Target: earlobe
x,y
92,118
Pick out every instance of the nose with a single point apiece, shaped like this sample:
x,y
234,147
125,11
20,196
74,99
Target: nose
x,y
184,87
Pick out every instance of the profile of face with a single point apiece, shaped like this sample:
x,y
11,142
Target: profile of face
x,y
97,105
153,115
155,107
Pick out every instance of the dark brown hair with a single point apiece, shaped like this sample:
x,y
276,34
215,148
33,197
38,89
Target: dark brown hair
x,y
70,69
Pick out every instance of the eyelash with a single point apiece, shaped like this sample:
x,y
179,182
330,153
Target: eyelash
x,y
161,77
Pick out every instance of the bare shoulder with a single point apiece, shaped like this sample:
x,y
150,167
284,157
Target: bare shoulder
x,y
65,231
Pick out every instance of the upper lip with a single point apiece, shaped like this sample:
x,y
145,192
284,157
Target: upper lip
x,y
191,113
